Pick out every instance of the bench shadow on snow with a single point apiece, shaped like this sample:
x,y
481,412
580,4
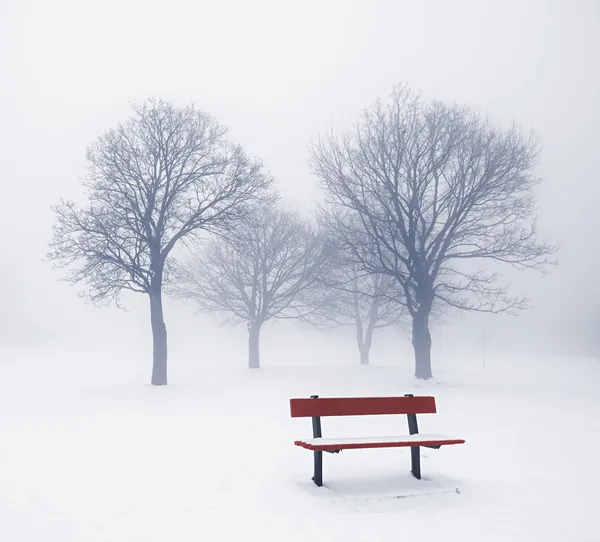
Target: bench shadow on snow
x,y
375,492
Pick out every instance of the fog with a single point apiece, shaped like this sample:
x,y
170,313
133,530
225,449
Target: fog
x,y
278,73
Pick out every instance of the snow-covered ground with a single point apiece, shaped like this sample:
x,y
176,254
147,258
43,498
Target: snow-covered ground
x,y
90,453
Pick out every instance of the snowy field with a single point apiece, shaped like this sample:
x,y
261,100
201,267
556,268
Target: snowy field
x,y
90,453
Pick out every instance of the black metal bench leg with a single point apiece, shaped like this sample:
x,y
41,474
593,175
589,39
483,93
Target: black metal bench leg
x,y
415,451
317,433
318,477
415,460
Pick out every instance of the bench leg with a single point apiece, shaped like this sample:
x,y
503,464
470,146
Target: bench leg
x,y
415,460
318,477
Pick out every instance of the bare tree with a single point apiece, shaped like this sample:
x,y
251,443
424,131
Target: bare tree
x,y
160,177
350,297
422,192
262,271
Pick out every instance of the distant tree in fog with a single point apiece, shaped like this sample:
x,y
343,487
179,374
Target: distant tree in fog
x,y
159,178
423,192
349,297
264,270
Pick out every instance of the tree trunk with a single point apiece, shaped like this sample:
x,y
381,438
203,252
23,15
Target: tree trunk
x,y
159,337
421,340
365,337
364,354
253,345
365,342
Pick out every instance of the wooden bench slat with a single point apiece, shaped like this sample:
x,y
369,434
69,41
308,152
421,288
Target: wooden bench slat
x,y
330,444
361,406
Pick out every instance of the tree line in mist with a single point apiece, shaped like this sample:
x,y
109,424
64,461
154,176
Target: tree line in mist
x,y
422,202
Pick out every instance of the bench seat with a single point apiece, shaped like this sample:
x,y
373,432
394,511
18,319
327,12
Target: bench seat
x,y
333,444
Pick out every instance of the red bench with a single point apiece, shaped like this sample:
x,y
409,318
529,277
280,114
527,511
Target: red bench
x,y
316,407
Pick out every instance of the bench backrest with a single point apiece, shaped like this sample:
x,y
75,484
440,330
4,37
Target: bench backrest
x,y
361,406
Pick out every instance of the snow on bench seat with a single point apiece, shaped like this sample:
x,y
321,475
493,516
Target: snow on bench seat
x,y
331,444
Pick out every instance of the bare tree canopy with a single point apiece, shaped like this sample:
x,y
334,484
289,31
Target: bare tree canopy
x,y
158,178
422,192
260,272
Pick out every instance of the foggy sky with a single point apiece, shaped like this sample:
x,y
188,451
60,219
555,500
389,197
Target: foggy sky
x,y
277,73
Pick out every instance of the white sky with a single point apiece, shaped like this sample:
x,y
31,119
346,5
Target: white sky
x,y
276,73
